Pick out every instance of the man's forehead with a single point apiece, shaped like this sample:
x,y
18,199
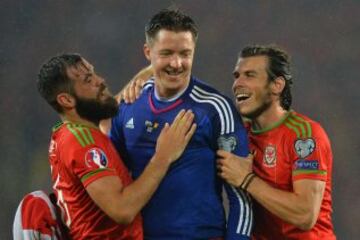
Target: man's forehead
x,y
251,63
80,68
165,34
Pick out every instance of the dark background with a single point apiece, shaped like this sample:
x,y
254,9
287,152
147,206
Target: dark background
x,y
323,38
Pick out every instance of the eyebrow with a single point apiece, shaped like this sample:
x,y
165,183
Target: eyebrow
x,y
87,75
250,72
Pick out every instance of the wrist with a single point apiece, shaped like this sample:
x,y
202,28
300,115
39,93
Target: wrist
x,y
247,181
160,161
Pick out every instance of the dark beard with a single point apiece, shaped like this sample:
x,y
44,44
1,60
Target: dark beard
x,y
94,110
264,106
257,112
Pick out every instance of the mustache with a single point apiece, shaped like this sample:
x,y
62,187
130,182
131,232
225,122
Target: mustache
x,y
102,88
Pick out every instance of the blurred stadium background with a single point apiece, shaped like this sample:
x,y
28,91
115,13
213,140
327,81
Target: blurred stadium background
x,y
323,38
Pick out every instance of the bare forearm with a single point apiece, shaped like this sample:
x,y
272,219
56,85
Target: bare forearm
x,y
137,194
294,208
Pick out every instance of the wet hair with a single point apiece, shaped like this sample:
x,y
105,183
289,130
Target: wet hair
x,y
52,78
172,20
278,66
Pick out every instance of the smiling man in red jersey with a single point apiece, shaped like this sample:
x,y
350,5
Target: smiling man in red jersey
x,y
289,175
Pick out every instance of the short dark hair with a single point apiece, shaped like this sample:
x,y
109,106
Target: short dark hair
x,y
278,66
52,78
172,20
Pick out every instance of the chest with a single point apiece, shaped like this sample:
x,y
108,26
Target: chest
x,y
273,159
141,126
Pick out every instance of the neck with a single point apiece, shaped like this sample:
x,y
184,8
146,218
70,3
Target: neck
x,y
75,118
269,117
171,98
164,93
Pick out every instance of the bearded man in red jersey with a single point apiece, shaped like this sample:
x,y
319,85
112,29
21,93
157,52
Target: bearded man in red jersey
x,y
96,195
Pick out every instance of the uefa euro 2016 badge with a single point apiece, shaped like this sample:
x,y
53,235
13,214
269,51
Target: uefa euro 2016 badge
x,y
270,156
304,147
227,144
150,126
96,158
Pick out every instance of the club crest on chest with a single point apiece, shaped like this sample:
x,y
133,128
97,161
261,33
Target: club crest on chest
x,y
150,126
270,156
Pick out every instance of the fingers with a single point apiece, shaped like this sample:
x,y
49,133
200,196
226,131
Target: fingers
x,y
223,153
138,89
131,91
124,94
177,119
118,97
190,133
165,129
132,94
185,123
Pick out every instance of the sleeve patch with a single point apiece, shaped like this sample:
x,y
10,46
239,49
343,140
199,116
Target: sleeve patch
x,y
227,143
96,158
304,147
303,164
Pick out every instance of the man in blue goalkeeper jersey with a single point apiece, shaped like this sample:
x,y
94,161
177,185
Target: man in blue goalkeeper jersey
x,y
188,203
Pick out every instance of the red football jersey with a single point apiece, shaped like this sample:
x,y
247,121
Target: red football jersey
x,y
78,156
294,148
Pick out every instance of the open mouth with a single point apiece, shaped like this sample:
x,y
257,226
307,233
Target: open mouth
x,y
173,72
242,97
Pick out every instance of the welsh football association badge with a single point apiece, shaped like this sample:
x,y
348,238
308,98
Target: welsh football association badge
x,y
270,156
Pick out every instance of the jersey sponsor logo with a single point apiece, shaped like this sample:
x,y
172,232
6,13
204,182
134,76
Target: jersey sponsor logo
x,y
96,158
227,143
304,147
150,126
303,164
270,156
130,124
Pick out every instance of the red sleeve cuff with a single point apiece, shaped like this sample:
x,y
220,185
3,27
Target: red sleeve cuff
x,y
98,173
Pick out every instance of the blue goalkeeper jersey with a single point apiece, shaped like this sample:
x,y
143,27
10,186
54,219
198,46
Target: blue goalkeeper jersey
x,y
188,202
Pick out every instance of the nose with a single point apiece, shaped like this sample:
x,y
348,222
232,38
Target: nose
x,y
238,81
175,61
100,81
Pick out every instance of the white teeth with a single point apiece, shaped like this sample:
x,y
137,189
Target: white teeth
x,y
173,73
242,95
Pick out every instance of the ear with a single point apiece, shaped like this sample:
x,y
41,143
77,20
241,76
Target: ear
x,y
278,85
65,100
147,51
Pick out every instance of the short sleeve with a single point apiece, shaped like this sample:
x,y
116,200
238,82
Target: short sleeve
x,y
312,155
91,163
230,132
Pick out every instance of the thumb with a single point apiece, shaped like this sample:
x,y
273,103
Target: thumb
x,y
251,156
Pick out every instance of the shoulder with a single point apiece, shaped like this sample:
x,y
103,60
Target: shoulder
x,y
216,104
304,127
148,87
75,137
204,93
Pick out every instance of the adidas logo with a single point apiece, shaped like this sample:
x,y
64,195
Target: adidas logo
x,y
130,123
